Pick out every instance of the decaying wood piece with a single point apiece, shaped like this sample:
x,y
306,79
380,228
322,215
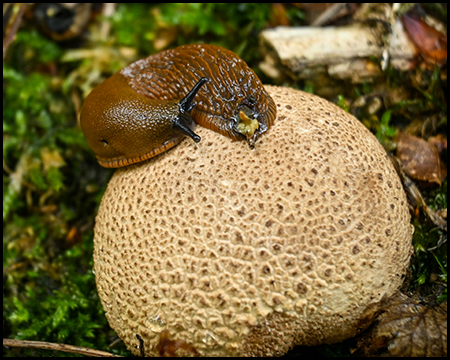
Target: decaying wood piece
x,y
341,52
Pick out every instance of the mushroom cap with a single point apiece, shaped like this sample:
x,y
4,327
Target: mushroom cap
x,y
217,249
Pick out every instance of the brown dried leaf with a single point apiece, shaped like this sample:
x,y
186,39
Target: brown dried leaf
x,y
431,43
407,327
167,347
51,158
439,141
279,15
414,194
420,159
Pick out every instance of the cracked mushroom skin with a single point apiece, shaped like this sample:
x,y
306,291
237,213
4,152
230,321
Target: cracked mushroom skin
x,y
232,251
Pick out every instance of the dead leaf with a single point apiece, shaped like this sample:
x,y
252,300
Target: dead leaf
x,y
174,348
431,43
420,159
73,237
414,194
51,158
439,141
407,327
279,15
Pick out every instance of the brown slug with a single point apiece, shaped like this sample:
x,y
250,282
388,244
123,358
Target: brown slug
x,y
137,113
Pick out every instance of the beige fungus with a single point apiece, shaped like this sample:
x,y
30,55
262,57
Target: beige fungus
x,y
232,251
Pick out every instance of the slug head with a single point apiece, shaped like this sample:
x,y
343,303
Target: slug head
x,y
123,127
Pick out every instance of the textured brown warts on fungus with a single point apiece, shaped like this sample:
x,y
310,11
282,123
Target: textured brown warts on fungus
x,y
232,251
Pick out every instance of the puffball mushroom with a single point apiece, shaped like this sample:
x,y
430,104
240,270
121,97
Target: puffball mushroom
x,y
216,249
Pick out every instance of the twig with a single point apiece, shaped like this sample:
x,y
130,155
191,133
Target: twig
x,y
58,347
12,30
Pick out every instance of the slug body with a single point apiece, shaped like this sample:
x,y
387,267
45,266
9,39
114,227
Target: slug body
x,y
137,113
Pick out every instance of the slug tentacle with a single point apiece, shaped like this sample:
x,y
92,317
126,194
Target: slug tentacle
x,y
137,113
180,124
187,103
183,121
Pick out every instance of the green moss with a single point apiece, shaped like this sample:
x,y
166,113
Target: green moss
x,y
49,291
429,263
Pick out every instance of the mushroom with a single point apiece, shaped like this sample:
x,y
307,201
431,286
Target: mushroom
x,y
216,249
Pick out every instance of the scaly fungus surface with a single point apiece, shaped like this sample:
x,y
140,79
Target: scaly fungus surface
x,y
216,249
